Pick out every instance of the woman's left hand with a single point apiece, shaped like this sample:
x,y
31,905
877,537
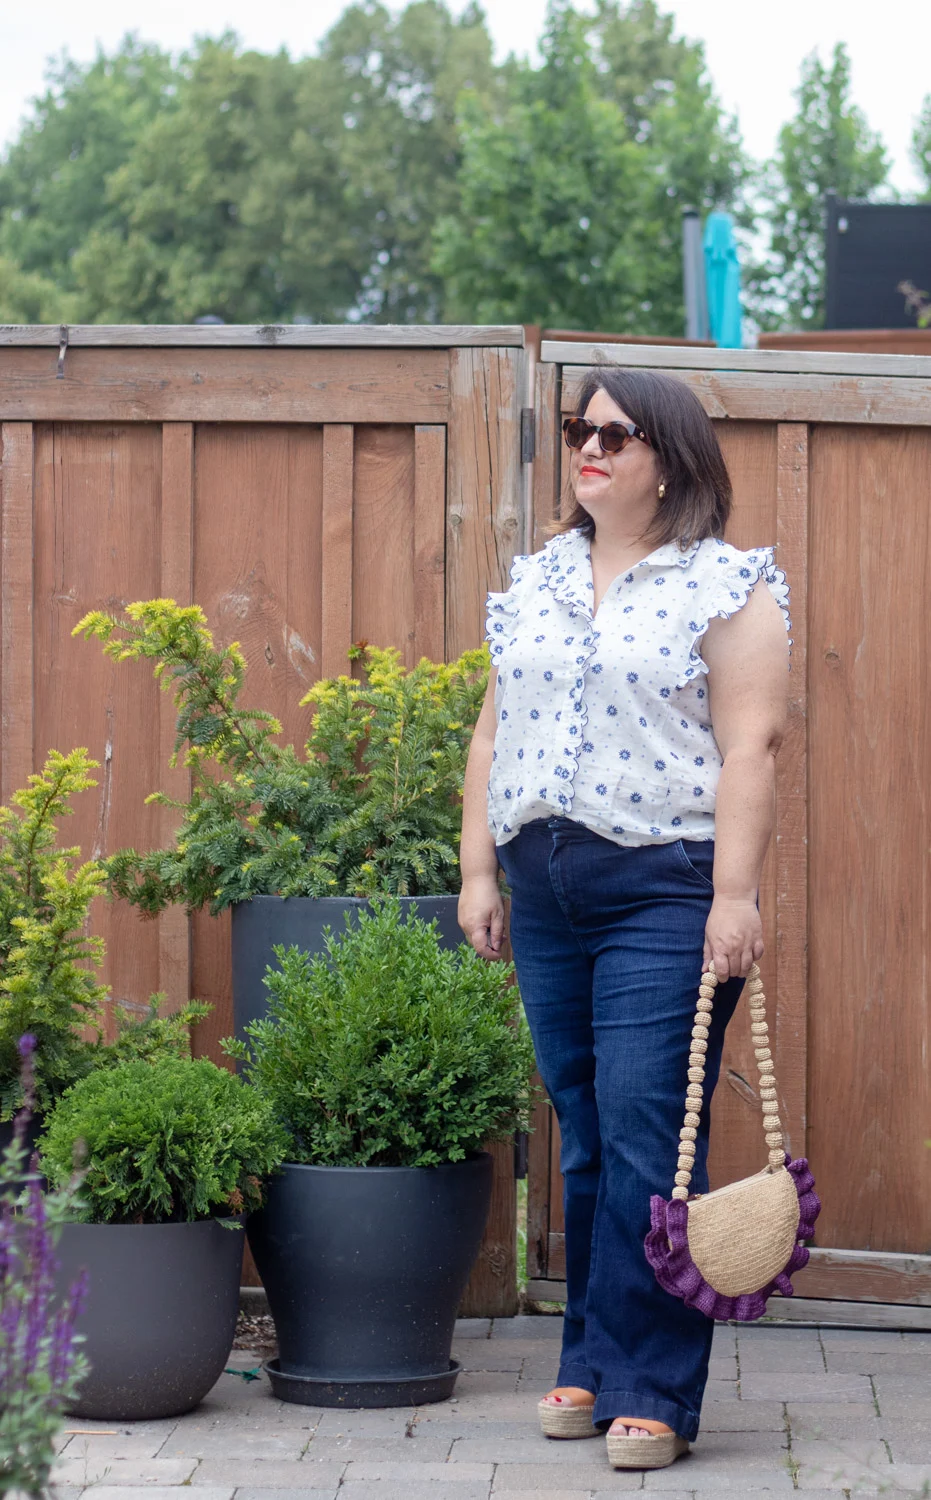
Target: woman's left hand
x,y
733,937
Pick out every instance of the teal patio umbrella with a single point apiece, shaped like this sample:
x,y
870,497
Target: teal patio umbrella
x,y
722,278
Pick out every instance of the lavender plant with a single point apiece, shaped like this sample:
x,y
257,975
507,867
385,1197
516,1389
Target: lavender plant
x,y
40,1365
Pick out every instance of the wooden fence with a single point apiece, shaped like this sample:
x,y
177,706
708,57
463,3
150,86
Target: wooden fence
x,y
310,486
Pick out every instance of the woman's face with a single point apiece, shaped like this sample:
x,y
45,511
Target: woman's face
x,y
611,483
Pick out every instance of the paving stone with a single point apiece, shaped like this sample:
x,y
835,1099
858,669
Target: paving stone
x,y
771,1359
531,1449
527,1328
736,1480
375,1449
722,1367
267,1474
235,1442
472,1328
549,1494
910,1444
721,1390
478,1354
784,1386
539,1477
100,1445
833,1463
478,1410
742,1416
369,1424
893,1392
368,1489
872,1362
400,1473
302,1494
485,1382
122,1471
820,1420
865,1338
151,1492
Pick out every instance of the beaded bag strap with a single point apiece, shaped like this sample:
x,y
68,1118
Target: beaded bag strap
x,y
695,1094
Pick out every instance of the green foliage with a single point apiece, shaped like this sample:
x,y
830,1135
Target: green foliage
x,y
921,146
164,1142
47,980
252,186
571,194
48,963
372,805
390,1050
827,147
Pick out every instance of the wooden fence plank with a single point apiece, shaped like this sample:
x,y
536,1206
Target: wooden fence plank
x,y
538,1198
177,562
485,513
789,1012
263,335
866,1276
798,398
228,385
547,455
17,746
768,362
429,542
337,548
483,497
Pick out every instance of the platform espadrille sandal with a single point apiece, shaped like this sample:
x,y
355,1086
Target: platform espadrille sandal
x,y
657,1451
568,1421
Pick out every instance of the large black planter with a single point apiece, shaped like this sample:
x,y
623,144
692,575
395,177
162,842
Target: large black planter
x,y
160,1313
259,924
364,1268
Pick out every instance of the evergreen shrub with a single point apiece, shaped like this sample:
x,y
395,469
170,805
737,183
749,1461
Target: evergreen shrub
x,y
48,981
388,1050
370,805
169,1141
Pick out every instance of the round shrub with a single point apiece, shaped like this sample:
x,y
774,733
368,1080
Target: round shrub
x,y
162,1142
388,1050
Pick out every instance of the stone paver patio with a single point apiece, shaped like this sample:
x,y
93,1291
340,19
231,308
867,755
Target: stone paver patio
x,y
824,1411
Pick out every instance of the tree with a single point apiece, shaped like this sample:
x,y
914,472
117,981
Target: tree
x,y
827,147
53,183
249,186
571,193
921,146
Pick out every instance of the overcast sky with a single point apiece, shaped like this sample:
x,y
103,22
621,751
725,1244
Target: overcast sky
x,y
753,48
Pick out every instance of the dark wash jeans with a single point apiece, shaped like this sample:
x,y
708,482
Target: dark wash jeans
x,y
608,947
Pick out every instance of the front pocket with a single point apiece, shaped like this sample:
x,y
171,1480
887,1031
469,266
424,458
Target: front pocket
x,y
694,867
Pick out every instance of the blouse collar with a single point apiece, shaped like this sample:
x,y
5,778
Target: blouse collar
x,y
568,566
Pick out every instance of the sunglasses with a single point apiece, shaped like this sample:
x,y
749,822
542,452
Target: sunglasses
x,y
613,436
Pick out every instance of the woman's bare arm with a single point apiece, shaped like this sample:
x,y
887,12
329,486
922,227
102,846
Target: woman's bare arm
x,y
748,663
481,909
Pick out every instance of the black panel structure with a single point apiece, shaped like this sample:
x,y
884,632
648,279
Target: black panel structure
x,y
871,248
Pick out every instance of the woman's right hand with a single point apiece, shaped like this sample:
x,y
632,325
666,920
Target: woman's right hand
x,y
481,915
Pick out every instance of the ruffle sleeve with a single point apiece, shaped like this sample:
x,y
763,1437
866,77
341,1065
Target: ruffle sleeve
x,y
502,609
728,593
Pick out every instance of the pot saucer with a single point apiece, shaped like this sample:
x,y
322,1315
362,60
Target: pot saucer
x,y
312,1390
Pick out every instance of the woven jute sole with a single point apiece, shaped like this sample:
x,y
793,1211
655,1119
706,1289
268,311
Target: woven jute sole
x,y
566,1421
655,1452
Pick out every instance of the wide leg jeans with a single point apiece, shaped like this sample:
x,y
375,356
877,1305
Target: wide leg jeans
x,y
608,943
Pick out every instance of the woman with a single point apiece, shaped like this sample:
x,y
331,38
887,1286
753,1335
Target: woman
x,y
622,775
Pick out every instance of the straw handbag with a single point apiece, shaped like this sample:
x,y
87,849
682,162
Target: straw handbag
x,y
725,1252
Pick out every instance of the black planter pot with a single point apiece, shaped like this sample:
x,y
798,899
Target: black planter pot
x,y
364,1268
259,924
159,1317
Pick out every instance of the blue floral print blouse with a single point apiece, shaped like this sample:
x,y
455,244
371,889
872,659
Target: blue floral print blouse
x,y
606,719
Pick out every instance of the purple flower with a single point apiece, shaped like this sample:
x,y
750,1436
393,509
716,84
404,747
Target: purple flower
x,y
26,1045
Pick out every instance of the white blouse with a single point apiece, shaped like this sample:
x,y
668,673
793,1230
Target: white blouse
x,y
606,719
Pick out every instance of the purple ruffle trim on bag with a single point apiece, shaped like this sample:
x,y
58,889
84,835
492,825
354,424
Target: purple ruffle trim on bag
x,y
667,1250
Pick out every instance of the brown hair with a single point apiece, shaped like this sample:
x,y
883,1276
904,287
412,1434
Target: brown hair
x,y
697,501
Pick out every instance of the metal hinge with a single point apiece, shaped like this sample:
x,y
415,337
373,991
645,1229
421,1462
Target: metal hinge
x,y
527,438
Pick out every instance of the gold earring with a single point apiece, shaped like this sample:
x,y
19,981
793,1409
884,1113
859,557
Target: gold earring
x,y
662,491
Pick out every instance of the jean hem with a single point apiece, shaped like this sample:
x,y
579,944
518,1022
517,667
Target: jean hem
x,y
576,1375
611,1404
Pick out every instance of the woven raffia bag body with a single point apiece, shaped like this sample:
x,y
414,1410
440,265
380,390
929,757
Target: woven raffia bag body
x,y
726,1252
